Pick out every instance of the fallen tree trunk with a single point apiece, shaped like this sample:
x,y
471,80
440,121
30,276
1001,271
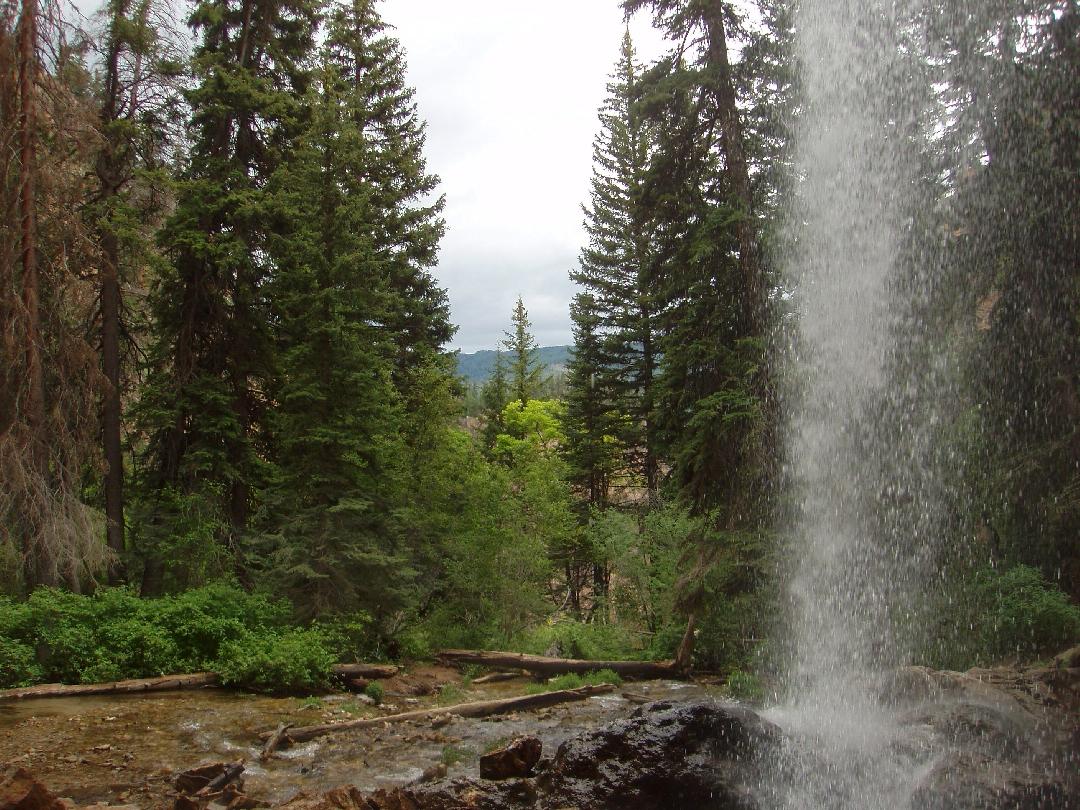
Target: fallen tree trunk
x,y
161,684
275,740
372,672
481,708
542,665
495,677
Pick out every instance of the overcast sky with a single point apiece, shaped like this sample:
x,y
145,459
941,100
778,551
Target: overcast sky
x,y
510,91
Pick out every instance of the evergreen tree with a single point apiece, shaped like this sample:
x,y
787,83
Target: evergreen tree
x,y
525,368
212,358
496,394
617,268
591,424
336,423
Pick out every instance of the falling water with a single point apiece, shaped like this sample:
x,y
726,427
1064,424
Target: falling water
x,y
848,585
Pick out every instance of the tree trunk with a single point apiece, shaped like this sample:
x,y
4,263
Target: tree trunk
x,y
542,665
39,567
164,683
737,170
483,708
111,406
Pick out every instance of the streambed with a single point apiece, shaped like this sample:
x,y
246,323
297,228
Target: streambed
x,y
128,748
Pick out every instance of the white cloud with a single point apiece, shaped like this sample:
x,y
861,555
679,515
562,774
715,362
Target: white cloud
x,y
510,92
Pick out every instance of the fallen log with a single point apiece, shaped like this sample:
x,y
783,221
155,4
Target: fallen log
x,y
274,742
542,665
372,672
482,708
495,677
229,774
163,683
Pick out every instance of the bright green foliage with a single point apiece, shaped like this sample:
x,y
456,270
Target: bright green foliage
x,y
115,634
524,365
375,691
294,661
745,686
533,429
574,681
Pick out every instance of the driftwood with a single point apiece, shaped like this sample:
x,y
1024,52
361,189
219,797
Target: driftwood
x,y
483,708
165,682
495,677
371,672
542,665
231,773
275,740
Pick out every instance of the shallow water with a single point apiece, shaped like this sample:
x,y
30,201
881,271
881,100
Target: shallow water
x,y
128,748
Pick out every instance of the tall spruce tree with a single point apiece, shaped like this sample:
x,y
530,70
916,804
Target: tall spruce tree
x,y
617,269
495,394
591,422
212,358
525,368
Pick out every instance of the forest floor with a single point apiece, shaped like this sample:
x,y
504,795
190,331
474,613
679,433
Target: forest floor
x,y
128,749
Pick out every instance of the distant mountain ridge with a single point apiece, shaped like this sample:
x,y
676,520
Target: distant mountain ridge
x,y
477,366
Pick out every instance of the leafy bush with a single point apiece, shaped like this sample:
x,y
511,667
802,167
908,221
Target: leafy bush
x,y
988,615
375,691
745,685
297,660
17,664
60,636
1024,615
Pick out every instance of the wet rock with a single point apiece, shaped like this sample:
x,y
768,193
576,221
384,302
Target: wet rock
x,y
516,759
664,755
965,781
19,790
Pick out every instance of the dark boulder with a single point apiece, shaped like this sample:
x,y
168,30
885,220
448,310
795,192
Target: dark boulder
x,y
516,758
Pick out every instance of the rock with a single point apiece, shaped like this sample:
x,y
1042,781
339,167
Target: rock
x,y
516,758
195,779
19,790
702,754
964,781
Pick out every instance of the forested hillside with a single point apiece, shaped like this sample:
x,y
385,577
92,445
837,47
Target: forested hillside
x,y
232,429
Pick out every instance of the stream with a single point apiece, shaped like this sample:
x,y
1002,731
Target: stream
x,y
128,748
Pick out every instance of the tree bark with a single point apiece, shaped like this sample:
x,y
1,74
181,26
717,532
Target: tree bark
x,y
164,683
542,665
39,567
370,671
733,146
483,708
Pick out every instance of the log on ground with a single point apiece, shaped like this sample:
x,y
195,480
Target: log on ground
x,y
542,665
482,708
372,672
165,682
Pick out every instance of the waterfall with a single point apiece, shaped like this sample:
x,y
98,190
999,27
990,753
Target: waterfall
x,y
849,582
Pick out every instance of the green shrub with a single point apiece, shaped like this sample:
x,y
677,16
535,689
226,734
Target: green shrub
x,y
17,664
449,694
745,685
375,691
294,661
572,680
1024,615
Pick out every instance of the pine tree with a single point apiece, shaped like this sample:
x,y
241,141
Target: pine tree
x,y
212,357
404,219
496,394
525,368
591,424
336,423
617,268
